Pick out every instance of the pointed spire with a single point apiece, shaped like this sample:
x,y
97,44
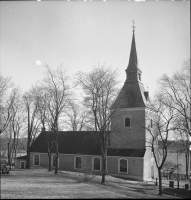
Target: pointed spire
x,y
132,71
132,66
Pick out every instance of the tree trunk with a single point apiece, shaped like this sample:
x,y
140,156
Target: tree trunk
x,y
8,154
57,155
49,164
104,170
14,148
28,154
15,157
28,142
160,182
49,149
187,165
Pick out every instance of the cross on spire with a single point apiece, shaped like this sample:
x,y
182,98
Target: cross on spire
x,y
133,25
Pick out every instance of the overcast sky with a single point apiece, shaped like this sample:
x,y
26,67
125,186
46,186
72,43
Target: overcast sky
x,y
81,34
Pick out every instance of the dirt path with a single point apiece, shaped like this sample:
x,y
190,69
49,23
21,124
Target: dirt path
x,y
40,183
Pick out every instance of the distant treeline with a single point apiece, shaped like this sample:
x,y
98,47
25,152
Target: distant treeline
x,y
174,145
22,143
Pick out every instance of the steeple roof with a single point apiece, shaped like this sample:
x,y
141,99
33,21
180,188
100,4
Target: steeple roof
x,y
133,93
133,61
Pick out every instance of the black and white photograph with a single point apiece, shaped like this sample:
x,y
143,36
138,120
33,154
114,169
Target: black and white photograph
x,y
95,99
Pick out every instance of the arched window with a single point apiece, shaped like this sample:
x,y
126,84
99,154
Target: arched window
x,y
123,166
36,159
127,122
78,162
96,164
140,77
54,161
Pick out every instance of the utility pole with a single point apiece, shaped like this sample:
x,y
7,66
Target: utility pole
x,y
189,163
189,158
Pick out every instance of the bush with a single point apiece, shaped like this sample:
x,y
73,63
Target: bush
x,y
85,177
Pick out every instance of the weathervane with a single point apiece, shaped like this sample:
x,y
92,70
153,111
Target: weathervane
x,y
133,25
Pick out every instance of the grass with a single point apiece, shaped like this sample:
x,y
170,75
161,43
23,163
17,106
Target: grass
x,y
41,183
177,192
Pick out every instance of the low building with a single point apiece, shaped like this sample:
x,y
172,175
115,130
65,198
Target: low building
x,y
20,162
79,151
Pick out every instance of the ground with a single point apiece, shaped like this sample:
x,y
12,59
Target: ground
x,y
39,183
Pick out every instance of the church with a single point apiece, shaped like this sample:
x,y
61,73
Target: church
x,y
128,155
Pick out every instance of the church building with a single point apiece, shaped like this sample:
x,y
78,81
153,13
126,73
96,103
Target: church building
x,y
128,155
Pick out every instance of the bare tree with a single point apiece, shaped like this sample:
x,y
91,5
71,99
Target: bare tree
x,y
183,139
56,86
5,102
42,99
178,89
12,123
100,90
32,122
5,85
76,117
17,119
160,126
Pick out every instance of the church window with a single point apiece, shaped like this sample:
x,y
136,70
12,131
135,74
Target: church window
x,y
78,162
140,77
96,164
36,159
127,122
54,161
123,166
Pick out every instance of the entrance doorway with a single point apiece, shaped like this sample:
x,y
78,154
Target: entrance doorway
x,y
22,165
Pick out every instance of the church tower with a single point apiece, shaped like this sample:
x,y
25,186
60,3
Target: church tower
x,y
129,108
128,133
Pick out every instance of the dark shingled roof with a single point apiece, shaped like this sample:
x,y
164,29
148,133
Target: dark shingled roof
x,y
22,157
133,61
81,142
130,96
133,93
126,152
70,142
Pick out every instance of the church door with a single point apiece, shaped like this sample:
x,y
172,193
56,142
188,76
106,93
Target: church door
x,y
22,165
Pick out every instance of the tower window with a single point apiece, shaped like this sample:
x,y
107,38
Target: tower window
x,y
54,161
140,77
127,122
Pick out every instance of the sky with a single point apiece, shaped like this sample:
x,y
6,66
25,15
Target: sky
x,y
80,34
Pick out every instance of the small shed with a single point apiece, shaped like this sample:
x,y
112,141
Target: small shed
x,y
21,162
